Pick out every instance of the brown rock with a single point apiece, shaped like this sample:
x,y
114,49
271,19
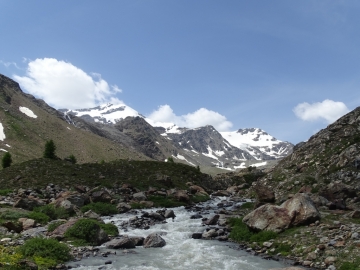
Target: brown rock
x,y
27,223
59,232
265,194
301,209
268,217
28,203
101,196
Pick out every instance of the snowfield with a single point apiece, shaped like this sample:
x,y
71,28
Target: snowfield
x,y
2,134
28,112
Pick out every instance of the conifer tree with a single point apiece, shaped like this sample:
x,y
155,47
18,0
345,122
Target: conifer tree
x,y
6,160
50,150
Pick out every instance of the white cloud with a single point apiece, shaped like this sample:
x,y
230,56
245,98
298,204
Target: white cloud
x,y
201,117
8,64
328,110
63,85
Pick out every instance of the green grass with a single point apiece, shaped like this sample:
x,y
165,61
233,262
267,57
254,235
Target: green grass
x,y
110,228
241,233
200,198
283,249
103,209
39,217
140,174
5,192
54,225
247,205
52,212
160,201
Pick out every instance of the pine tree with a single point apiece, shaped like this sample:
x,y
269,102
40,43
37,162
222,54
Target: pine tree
x,y
6,160
50,150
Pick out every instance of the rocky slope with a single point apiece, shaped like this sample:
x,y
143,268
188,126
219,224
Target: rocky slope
x,y
26,123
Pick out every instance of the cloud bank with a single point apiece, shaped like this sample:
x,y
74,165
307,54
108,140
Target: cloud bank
x,y
63,85
327,110
201,117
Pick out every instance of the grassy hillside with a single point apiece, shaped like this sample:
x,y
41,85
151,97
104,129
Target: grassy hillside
x,y
140,174
25,136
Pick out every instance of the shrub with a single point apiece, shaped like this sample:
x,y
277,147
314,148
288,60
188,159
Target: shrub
x,y
170,160
49,249
247,205
284,249
160,201
84,229
6,160
39,217
72,159
50,150
200,198
103,209
110,228
52,212
263,236
12,215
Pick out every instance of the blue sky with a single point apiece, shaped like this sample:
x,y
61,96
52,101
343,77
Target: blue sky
x,y
246,63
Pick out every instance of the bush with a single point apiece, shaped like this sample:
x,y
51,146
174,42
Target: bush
x,y
52,212
103,209
72,159
49,249
160,201
110,228
50,150
247,205
6,160
84,229
39,217
200,198
170,160
12,215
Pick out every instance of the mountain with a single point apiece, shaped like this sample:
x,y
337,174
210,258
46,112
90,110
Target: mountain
x,y
258,143
203,146
26,123
327,164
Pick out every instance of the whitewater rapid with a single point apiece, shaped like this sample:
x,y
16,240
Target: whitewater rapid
x,y
181,251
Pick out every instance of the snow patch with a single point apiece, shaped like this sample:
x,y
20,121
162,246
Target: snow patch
x,y
3,150
2,134
28,112
68,128
183,158
7,145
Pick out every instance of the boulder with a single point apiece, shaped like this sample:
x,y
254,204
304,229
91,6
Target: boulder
x,y
101,196
154,240
268,217
123,207
138,240
35,232
181,196
221,193
13,226
28,203
27,223
140,196
213,220
194,189
264,194
301,209
91,214
209,234
59,232
169,214
123,242
156,216
74,197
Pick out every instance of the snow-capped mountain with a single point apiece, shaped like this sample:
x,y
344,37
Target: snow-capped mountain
x,y
199,146
258,143
104,114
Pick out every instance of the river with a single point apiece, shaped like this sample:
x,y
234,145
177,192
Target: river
x,y
180,252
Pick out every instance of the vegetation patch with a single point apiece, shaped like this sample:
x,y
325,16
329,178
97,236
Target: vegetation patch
x,y
5,192
160,201
247,205
54,225
39,217
47,250
103,209
200,198
110,228
52,212
84,231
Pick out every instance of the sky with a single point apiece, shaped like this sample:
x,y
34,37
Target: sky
x,y
288,67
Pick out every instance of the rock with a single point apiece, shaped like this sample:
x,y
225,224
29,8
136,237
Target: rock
x,y
264,194
319,200
13,226
101,196
138,240
196,216
196,236
147,204
27,223
121,242
330,260
355,214
169,214
154,240
140,196
59,232
123,207
268,217
209,234
194,189
181,196
301,210
213,220
288,268
74,197
101,237
28,203
221,193
156,216
311,256
3,230
267,244
91,214
35,232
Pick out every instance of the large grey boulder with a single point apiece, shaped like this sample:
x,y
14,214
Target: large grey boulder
x,y
139,196
269,218
123,242
301,209
154,240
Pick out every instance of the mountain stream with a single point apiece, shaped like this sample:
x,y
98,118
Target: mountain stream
x,y
181,251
